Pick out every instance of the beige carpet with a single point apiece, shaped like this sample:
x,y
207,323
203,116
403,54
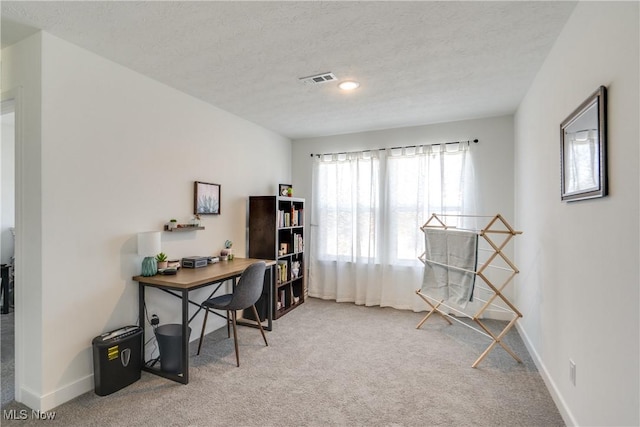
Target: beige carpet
x,y
7,340
334,364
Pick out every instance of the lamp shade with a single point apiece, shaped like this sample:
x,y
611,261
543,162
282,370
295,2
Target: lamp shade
x,y
149,243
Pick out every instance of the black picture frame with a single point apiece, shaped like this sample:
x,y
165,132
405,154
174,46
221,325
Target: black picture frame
x,y
206,198
583,150
283,189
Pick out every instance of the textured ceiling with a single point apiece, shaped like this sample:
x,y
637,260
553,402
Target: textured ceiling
x,y
418,62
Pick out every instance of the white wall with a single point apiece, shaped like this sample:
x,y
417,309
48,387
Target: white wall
x,y
120,154
579,287
21,81
493,159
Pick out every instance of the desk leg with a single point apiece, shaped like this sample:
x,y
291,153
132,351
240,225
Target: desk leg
x,y
5,289
182,377
141,319
185,336
270,298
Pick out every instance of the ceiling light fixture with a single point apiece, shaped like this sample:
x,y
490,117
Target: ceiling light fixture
x,y
349,85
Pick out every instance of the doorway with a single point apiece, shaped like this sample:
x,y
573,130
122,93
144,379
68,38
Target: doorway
x,y
7,247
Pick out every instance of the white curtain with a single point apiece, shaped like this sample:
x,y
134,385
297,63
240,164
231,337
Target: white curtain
x,y
367,209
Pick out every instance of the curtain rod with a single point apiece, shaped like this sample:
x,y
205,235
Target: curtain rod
x,y
395,148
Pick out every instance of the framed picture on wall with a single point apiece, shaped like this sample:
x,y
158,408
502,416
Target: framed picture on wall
x,y
583,152
284,190
206,198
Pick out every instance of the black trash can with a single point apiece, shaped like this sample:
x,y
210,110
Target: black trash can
x,y
117,359
170,344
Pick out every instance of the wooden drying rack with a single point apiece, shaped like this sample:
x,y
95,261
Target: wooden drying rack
x,y
496,227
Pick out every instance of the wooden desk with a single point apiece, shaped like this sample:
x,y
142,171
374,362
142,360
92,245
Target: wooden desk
x,y
186,280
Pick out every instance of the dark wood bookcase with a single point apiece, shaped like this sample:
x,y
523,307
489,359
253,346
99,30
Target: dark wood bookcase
x,y
276,231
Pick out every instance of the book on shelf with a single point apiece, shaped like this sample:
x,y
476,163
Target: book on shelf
x,y
282,268
297,216
297,243
292,218
284,219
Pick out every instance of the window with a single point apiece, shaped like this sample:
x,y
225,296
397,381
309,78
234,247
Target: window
x,y
420,184
347,201
369,206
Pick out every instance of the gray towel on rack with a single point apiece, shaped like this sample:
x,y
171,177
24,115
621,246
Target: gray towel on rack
x,y
447,254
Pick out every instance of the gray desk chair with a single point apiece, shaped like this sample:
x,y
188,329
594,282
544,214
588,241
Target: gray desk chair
x,y
245,295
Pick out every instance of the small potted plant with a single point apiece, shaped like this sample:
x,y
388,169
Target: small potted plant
x,y
161,258
173,223
227,252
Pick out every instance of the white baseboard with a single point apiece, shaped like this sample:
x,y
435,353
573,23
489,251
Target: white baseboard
x,y
565,412
498,315
28,398
56,398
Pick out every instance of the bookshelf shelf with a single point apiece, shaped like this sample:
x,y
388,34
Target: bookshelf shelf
x,y
276,231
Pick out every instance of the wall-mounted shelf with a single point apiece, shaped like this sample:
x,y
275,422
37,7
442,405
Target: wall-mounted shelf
x,y
185,228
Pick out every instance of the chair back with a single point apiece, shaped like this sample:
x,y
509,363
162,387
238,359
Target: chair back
x,y
249,287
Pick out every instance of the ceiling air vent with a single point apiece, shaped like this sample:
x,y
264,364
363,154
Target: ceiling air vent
x,y
318,78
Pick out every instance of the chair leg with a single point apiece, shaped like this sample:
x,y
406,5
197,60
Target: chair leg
x,y
228,331
204,324
255,313
235,336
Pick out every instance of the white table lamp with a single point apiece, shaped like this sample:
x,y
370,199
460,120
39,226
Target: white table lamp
x,y
148,247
